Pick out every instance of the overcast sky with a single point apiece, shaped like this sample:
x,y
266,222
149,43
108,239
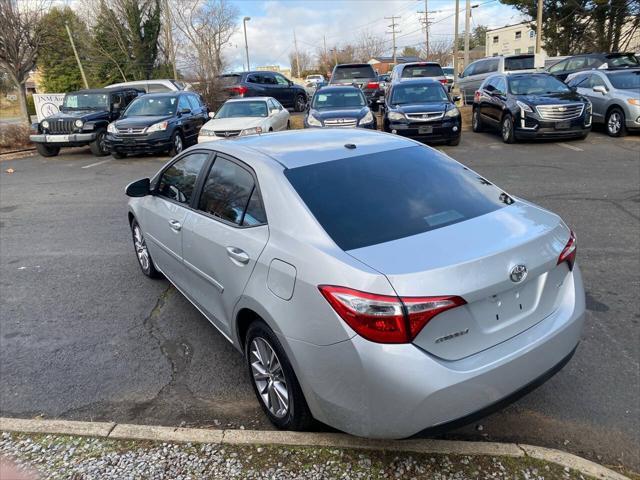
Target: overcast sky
x,y
270,30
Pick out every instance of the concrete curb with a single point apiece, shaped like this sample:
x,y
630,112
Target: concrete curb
x,y
258,437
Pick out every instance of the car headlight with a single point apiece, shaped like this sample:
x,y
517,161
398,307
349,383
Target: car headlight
x,y
207,133
524,107
45,124
452,113
396,116
78,123
313,121
158,127
589,106
251,131
111,128
368,118
634,101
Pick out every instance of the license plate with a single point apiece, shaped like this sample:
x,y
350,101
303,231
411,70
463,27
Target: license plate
x,y
129,141
57,138
425,129
563,125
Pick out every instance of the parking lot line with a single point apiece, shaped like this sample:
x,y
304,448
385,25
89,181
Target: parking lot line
x,y
97,163
570,147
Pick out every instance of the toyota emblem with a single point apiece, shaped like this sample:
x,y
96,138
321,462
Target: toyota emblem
x,y
518,273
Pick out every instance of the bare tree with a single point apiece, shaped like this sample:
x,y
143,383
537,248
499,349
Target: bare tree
x,y
21,35
305,62
369,46
440,51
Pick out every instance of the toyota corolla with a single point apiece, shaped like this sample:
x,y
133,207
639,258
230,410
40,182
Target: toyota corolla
x,y
371,282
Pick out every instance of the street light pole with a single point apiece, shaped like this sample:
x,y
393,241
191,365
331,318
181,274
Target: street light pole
x,y
246,45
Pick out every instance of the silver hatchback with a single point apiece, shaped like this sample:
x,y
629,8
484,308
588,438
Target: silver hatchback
x,y
370,282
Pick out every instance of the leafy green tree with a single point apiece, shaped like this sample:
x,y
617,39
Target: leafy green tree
x,y
57,63
478,38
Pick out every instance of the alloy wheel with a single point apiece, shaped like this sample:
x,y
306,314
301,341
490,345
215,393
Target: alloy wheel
x,y
474,120
615,123
506,128
300,104
177,144
141,248
268,377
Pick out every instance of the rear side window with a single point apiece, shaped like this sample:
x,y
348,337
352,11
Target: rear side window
x,y
157,88
178,181
352,73
228,194
371,199
417,71
229,80
525,62
629,60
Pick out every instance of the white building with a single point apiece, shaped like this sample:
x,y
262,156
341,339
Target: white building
x,y
511,40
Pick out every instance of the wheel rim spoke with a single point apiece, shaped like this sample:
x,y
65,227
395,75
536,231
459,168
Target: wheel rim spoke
x,y
268,377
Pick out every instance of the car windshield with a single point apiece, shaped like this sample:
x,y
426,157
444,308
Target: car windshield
x,y
86,101
348,99
526,62
256,108
448,70
424,93
376,198
626,80
349,73
629,60
536,85
418,71
148,106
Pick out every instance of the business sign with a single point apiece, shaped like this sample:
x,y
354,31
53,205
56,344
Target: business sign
x,y
47,104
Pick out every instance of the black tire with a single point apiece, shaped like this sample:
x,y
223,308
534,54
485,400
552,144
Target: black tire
x,y
98,146
476,121
288,125
118,155
615,123
506,129
300,103
177,144
297,416
147,268
47,150
455,141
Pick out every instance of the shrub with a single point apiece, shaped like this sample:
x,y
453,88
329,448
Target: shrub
x,y
14,136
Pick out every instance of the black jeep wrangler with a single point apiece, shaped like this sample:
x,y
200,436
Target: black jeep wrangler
x,y
82,120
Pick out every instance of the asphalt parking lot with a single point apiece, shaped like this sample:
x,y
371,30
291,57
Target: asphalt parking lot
x,y
84,335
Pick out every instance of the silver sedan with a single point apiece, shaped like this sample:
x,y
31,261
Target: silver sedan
x,y
370,282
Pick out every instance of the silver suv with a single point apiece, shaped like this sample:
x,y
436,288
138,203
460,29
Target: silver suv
x,y
406,71
615,95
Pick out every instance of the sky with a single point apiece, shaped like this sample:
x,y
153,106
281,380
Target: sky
x,y
270,30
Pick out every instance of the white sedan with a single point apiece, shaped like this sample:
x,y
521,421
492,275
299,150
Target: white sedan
x,y
245,116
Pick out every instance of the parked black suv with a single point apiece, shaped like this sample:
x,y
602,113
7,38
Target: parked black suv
x,y
422,109
589,61
82,120
363,76
530,105
158,122
265,84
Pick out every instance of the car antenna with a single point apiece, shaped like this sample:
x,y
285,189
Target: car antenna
x,y
350,146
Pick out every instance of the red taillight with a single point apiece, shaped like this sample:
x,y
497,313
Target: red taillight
x,y
476,96
375,85
240,90
443,81
386,318
568,253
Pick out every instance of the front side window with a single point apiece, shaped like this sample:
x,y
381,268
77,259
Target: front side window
x,y
147,106
193,102
380,197
501,85
625,80
536,85
558,67
183,103
228,194
576,63
425,93
254,108
281,80
348,99
178,181
578,81
595,81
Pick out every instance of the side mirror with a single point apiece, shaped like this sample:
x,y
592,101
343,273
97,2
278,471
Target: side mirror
x,y
139,188
273,111
290,82
212,114
456,98
185,111
600,89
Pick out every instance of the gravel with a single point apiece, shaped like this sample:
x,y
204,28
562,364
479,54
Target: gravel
x,y
76,458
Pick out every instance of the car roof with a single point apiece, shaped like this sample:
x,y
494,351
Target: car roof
x,y
173,93
405,81
413,64
340,65
248,99
102,90
298,148
338,88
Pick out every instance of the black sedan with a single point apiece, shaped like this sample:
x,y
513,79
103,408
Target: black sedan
x,y
530,105
158,122
421,109
341,107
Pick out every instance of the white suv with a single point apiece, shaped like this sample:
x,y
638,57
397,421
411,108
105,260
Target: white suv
x,y
155,86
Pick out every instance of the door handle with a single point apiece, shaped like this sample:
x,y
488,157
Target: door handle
x,y
238,255
176,225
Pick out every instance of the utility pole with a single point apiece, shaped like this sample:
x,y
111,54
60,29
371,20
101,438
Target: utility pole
x,y
539,27
393,33
324,43
335,55
455,43
246,45
467,26
295,43
75,52
168,31
426,28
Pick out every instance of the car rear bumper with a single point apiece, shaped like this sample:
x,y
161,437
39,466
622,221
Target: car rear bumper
x,y
59,140
395,391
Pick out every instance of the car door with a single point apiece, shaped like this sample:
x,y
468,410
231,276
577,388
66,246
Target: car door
x,y
166,211
224,238
198,110
285,92
258,85
187,120
496,99
558,69
598,100
464,81
277,119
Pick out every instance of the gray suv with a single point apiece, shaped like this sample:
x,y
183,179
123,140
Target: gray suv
x,y
363,76
615,96
405,71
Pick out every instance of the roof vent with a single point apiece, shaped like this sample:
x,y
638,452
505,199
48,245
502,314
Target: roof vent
x,y
350,146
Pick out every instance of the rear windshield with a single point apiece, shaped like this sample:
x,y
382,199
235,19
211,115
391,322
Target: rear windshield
x,y
417,71
628,60
228,80
350,73
519,63
626,80
372,199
